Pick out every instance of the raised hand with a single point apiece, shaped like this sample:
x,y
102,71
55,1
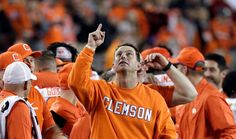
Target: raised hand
x,y
96,38
156,61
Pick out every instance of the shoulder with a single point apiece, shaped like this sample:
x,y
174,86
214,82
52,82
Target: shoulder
x,y
20,108
35,95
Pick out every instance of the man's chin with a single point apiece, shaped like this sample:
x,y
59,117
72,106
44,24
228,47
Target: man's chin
x,y
211,81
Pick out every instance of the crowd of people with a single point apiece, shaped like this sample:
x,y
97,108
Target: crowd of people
x,y
117,69
206,25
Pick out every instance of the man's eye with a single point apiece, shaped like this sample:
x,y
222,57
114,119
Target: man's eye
x,y
129,54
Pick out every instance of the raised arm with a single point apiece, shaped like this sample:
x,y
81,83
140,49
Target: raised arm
x,y
184,90
79,78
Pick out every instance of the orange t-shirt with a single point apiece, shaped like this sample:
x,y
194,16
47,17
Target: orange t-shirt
x,y
19,124
207,116
68,111
38,103
118,112
166,92
48,86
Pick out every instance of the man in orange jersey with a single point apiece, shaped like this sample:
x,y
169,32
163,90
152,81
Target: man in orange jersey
x,y
208,116
19,121
124,108
27,54
47,83
44,117
215,69
66,110
174,91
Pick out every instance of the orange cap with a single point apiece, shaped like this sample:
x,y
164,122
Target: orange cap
x,y
160,50
9,57
24,50
60,62
63,75
189,56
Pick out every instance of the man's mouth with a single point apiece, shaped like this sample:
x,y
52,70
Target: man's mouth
x,y
123,62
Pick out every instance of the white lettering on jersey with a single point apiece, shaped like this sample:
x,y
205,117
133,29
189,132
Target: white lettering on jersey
x,y
122,108
49,92
125,109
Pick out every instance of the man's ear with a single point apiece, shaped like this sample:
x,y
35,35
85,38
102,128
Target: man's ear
x,y
224,73
185,70
139,66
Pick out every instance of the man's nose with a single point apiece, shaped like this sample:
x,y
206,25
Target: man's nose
x,y
123,55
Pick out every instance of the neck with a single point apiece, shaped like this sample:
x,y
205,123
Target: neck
x,y
17,89
69,96
126,80
220,86
195,79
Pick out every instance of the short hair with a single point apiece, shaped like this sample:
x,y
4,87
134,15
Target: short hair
x,y
46,61
53,47
228,84
219,59
132,46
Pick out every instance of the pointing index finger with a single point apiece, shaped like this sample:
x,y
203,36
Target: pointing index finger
x,y
99,27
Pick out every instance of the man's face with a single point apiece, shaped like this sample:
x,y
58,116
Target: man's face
x,y
212,72
125,59
31,61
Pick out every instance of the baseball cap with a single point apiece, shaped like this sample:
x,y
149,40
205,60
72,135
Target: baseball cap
x,y
17,72
190,57
60,63
160,50
63,75
7,58
24,50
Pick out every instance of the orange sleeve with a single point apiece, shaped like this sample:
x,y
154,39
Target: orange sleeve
x,y
165,126
79,80
48,119
82,128
165,91
19,125
221,117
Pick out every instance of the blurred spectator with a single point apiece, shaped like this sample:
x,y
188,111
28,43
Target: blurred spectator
x,y
208,25
7,33
215,69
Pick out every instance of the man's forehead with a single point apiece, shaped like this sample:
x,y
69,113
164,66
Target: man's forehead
x,y
125,48
211,63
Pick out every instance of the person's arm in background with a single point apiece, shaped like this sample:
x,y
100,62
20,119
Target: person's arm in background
x,y
19,125
79,78
184,90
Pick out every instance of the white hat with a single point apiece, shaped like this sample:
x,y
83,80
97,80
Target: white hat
x,y
17,72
